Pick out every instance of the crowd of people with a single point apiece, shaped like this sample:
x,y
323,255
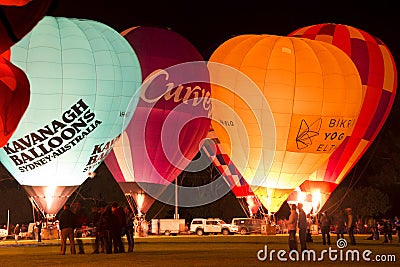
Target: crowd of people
x,y
110,222
339,224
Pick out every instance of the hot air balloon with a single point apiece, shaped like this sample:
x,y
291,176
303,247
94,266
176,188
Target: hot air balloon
x,y
14,98
83,76
313,91
171,118
250,204
17,18
378,73
14,2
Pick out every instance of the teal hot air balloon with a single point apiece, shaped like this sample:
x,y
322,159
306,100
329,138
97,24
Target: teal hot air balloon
x,y
83,75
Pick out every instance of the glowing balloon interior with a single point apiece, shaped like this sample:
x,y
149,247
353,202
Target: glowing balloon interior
x,y
314,93
83,76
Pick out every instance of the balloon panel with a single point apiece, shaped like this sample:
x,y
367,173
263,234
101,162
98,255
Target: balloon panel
x,y
77,109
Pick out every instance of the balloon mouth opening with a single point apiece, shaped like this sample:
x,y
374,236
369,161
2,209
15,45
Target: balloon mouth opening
x,y
49,199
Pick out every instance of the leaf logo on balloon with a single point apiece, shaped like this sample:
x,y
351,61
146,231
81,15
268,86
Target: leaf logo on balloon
x,y
306,133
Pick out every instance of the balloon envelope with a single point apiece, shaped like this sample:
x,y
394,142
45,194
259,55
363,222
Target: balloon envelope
x,y
14,98
17,18
378,74
170,120
14,2
314,93
83,75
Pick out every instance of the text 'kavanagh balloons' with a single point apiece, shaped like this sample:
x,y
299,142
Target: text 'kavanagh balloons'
x,y
312,91
83,75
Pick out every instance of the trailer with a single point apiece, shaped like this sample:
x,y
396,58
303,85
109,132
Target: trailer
x,y
167,226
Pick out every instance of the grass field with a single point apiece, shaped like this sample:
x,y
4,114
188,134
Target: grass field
x,y
193,250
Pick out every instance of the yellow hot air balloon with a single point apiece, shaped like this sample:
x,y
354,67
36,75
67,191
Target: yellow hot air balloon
x,y
314,94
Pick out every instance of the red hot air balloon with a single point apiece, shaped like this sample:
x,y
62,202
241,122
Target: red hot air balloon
x,y
14,98
378,74
14,2
17,18
168,125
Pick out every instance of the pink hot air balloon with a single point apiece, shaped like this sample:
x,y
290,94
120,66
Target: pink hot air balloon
x,y
378,74
14,98
171,119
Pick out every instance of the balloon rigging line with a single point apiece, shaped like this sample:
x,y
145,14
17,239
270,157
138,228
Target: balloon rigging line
x,y
351,184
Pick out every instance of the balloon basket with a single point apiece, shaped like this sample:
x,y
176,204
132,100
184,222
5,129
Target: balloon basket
x,y
268,229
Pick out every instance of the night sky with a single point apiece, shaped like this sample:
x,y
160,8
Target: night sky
x,y
207,23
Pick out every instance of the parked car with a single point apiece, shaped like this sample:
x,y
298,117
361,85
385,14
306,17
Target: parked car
x,y
202,226
248,225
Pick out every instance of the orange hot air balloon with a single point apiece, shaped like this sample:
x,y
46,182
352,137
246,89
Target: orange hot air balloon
x,y
378,74
313,91
14,98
